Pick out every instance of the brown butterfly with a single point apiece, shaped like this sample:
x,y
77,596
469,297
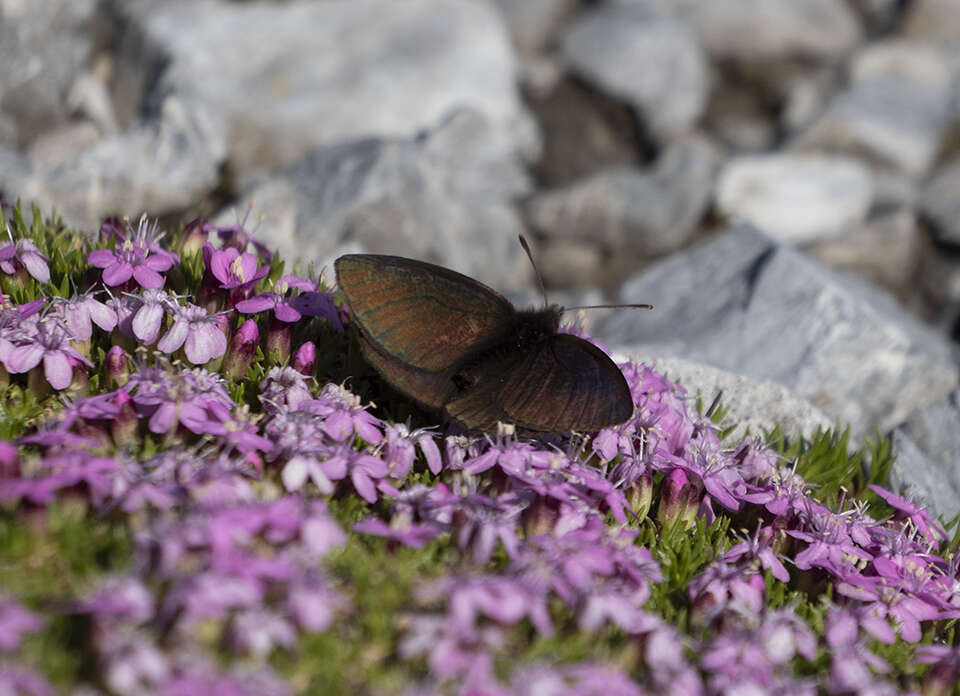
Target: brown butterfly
x,y
451,343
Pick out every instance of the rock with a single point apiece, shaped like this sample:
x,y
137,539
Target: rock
x,y
62,144
885,250
755,406
584,131
895,111
937,20
928,448
160,165
294,75
43,45
649,212
742,303
532,23
764,30
425,198
940,203
795,198
643,56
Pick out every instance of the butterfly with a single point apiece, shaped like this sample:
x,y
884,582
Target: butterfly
x,y
453,344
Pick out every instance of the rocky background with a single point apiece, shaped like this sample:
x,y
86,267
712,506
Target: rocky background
x,y
780,178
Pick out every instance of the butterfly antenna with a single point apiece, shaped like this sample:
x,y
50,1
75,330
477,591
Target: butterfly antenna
x,y
611,306
526,248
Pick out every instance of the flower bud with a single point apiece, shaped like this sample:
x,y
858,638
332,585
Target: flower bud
x,y
241,351
123,428
193,237
305,358
679,500
118,367
278,342
640,494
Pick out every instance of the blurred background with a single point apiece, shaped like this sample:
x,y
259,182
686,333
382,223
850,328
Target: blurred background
x,y
780,178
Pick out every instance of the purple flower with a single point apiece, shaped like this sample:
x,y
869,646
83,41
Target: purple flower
x,y
28,255
148,317
304,358
22,681
51,344
284,308
119,598
139,257
236,236
399,450
80,311
283,387
401,530
920,518
234,270
198,332
15,621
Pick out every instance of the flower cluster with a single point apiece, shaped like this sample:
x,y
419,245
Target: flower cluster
x,y
255,488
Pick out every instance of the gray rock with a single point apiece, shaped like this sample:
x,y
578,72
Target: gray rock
x,y
794,197
424,198
291,76
928,448
163,164
646,212
643,56
938,20
743,303
755,406
884,250
763,30
940,202
43,45
532,23
895,111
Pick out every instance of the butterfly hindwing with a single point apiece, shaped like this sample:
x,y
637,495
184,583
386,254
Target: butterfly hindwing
x,y
565,383
424,316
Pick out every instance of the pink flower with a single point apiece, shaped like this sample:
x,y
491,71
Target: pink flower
x,y
50,343
28,255
198,332
232,268
139,257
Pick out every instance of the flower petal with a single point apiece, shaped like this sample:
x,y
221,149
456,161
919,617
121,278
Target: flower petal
x,y
36,266
24,358
117,273
102,258
146,323
57,370
147,277
175,337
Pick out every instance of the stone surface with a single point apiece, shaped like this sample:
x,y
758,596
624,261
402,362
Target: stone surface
x,y
884,250
763,30
895,110
294,75
933,19
795,198
742,303
646,57
532,23
43,45
755,406
648,212
162,164
928,449
424,198
584,131
940,202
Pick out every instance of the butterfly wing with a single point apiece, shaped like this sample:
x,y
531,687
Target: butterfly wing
x,y
423,315
565,383
431,389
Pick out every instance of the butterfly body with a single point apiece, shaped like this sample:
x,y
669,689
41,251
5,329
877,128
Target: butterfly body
x,y
451,343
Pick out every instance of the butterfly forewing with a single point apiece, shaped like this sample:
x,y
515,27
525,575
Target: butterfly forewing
x,y
566,383
431,389
422,315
